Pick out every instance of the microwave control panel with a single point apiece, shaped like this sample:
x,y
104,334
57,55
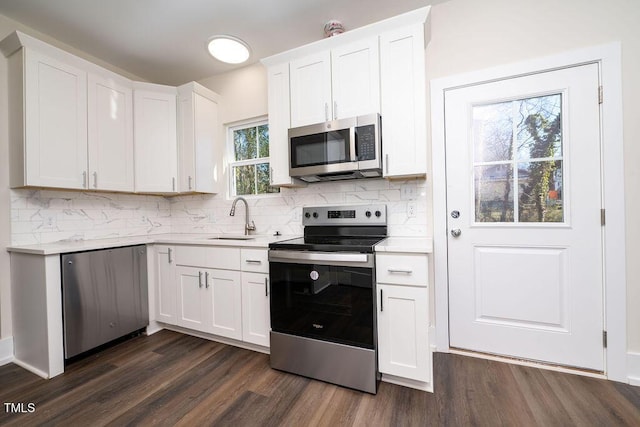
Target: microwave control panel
x,y
366,142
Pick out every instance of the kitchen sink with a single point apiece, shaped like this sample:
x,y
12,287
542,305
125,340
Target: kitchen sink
x,y
232,237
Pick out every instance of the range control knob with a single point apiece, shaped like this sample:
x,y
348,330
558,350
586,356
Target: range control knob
x,y
368,214
307,215
378,214
315,214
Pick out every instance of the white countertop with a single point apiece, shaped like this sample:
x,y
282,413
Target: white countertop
x,y
390,244
257,241
422,245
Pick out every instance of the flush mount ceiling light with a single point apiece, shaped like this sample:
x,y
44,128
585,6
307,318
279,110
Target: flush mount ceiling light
x,y
228,49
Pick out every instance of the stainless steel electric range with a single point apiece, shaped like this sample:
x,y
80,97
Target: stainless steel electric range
x,y
323,299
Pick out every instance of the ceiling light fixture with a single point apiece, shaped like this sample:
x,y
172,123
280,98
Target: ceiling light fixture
x,y
228,49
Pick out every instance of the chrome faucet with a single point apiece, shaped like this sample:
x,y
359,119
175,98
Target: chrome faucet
x,y
247,227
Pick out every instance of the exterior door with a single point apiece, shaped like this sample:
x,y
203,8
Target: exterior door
x,y
524,218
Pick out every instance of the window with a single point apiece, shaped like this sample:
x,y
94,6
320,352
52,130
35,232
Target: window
x,y
249,165
518,163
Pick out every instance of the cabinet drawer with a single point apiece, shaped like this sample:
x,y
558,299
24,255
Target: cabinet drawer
x,y
224,258
402,269
256,260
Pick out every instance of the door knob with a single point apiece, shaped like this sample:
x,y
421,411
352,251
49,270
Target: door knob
x,y
455,214
456,232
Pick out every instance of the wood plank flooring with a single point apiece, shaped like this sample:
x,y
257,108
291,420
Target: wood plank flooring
x,y
174,379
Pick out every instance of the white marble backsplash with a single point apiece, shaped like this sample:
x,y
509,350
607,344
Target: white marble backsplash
x,y
43,216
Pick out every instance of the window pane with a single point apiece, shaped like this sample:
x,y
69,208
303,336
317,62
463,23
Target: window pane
x,y
494,193
244,143
263,137
263,179
540,192
540,127
245,179
493,132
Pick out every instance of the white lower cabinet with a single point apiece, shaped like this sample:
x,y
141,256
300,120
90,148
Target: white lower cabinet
x,y
224,291
403,341
210,301
255,308
403,317
217,290
165,285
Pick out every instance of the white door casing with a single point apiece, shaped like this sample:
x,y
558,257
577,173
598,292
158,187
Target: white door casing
x,y
519,286
608,58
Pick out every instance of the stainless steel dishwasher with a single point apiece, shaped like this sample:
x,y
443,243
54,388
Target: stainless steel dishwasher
x,y
104,295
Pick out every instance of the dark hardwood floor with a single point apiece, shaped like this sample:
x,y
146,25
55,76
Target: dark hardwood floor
x,y
174,379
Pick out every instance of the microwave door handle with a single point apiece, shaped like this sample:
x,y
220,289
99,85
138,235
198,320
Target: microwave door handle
x,y
353,155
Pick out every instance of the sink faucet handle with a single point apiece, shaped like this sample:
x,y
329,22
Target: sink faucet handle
x,y
251,227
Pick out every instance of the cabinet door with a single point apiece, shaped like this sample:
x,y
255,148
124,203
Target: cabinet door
x,y
166,294
310,89
194,306
279,123
403,343
55,123
403,102
355,79
110,137
225,298
255,308
155,141
198,129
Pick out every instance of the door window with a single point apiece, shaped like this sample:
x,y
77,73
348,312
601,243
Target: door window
x,y
517,160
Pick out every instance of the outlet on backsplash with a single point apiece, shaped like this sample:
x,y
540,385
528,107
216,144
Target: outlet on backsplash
x,y
411,209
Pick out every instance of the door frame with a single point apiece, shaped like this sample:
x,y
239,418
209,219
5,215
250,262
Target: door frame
x,y
608,58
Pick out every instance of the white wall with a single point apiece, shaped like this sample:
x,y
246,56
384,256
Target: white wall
x,y
5,227
469,35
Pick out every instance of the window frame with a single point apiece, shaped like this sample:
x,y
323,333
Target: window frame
x,y
232,163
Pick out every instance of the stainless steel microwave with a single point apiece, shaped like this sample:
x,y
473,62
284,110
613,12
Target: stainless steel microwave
x,y
340,149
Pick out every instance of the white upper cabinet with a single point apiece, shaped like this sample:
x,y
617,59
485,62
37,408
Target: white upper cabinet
x,y
337,83
199,141
155,138
279,123
55,124
355,79
110,134
379,68
403,102
310,89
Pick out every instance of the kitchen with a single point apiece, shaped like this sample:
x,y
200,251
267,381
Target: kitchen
x,y
453,28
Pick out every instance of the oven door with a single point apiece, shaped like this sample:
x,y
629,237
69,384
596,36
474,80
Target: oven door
x,y
325,296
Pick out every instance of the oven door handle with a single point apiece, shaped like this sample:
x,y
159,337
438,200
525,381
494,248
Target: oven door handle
x,y
301,257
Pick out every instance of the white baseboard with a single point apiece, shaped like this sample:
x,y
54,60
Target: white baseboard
x,y
633,368
6,350
32,369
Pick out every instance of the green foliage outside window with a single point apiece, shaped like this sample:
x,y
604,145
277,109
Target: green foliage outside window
x,y
250,171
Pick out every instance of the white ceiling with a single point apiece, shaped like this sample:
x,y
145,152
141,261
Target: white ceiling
x,y
163,41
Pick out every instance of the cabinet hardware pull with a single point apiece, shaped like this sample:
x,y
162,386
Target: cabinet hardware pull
x,y
173,184
84,179
200,279
206,279
335,110
190,186
95,180
326,112
270,175
170,255
266,286
386,163
381,301
253,261
399,270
